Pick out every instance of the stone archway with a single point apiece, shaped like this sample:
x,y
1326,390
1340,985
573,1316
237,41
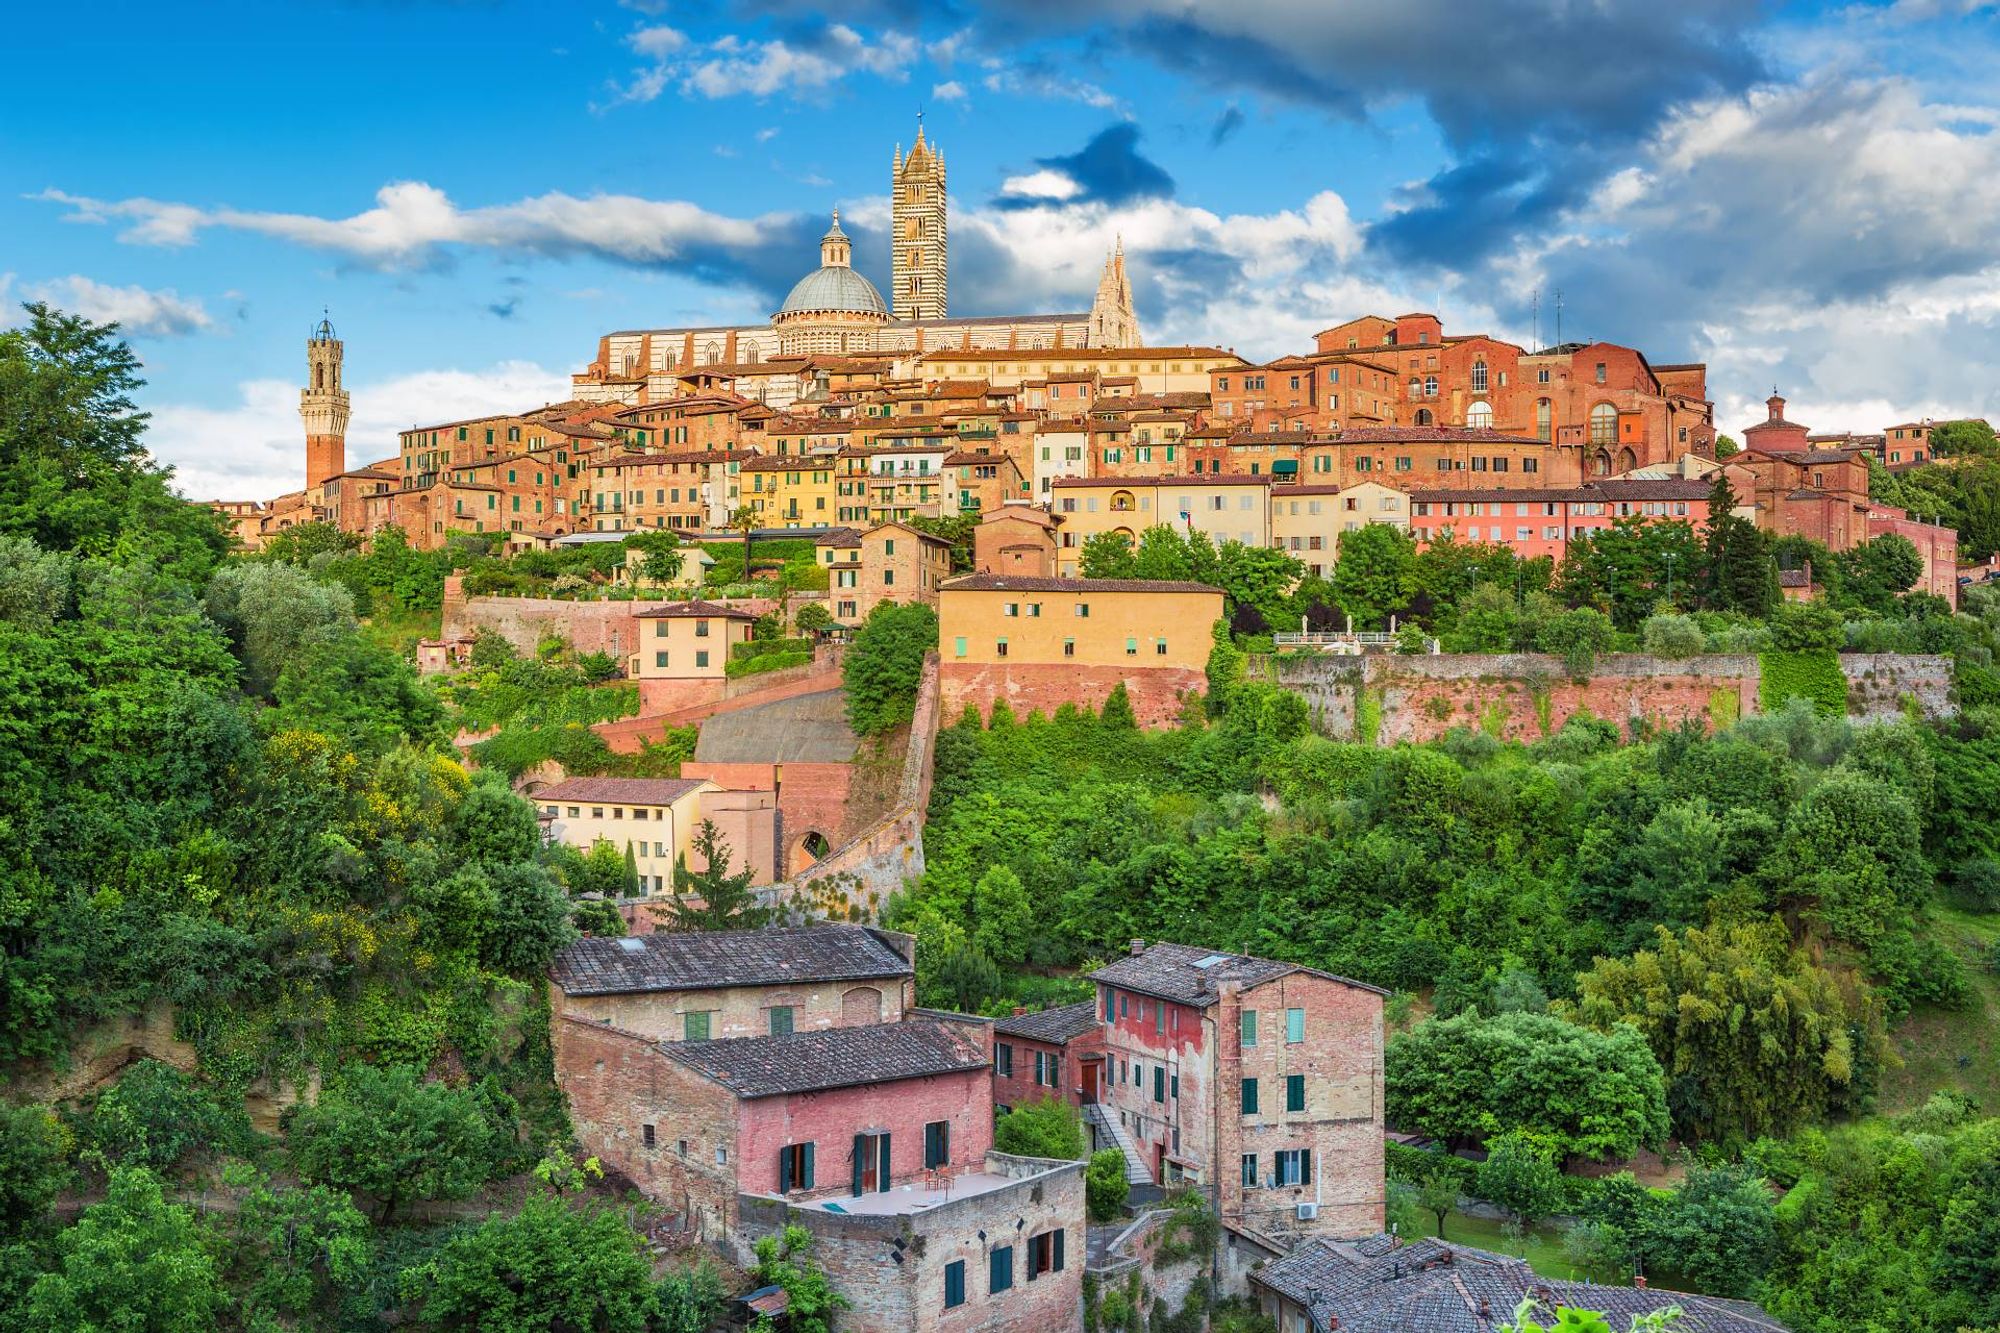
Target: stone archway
x,y
810,848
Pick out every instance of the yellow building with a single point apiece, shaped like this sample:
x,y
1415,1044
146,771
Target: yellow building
x,y
1307,521
688,641
654,818
1124,623
1226,508
894,485
790,492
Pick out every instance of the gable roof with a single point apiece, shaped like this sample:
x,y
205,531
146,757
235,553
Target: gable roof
x,y
1187,975
704,960
632,791
695,610
1024,583
1055,1026
842,1057
1375,1285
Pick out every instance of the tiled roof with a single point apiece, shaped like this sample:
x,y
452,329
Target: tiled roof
x,y
1017,583
1187,975
696,610
832,1057
1430,1286
1210,479
1433,434
1054,1026
840,538
629,791
702,960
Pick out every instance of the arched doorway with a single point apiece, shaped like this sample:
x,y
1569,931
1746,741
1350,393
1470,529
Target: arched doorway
x,y
811,847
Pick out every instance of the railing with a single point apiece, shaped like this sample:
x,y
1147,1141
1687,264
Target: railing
x,y
1340,642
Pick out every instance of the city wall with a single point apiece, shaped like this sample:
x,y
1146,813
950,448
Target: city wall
x,y
1525,696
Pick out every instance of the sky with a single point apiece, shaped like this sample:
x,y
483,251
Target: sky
x,y
1804,195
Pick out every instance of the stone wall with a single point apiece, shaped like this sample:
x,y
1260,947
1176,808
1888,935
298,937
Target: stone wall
x,y
590,626
1156,692
891,1268
1133,1250
1525,696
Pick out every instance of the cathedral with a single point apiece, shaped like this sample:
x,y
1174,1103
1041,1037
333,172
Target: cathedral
x,y
834,310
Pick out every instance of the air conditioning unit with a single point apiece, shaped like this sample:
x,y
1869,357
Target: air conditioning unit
x,y
1308,1211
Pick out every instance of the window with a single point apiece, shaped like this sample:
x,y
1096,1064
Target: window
x,y
795,1167
1478,377
694,1025
954,1284
1295,1092
1083,610
1249,1177
1000,648
701,659
701,629
646,1133
1160,647
1600,372
937,1143
1107,1007
1045,1254
659,660
1000,1269
1160,1084
1248,1020
1003,1060
1479,416
958,646
1249,1096
1131,647
870,1163
1295,1026
781,1020
1603,424
1292,1166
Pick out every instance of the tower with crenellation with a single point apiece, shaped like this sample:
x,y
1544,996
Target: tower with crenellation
x,y
323,407
918,250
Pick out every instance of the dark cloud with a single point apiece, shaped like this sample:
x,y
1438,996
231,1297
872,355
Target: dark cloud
x,y
504,309
1478,207
1226,125
1107,170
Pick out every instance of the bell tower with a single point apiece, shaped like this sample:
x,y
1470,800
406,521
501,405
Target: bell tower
x,y
323,407
917,248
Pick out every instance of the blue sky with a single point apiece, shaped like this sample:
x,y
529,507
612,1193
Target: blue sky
x,y
1800,194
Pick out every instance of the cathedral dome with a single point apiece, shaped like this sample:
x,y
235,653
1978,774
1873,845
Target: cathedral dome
x,y
834,287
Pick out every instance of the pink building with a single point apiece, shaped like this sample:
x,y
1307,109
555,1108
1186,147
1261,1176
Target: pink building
x,y
1535,523
1048,1053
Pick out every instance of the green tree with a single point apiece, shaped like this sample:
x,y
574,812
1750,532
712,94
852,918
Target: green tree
x,y
1962,439
660,556
1754,1036
1519,1176
884,665
300,544
1878,572
1577,637
133,1262
1118,714
1437,1194
555,1264
1718,1229
1631,567
1045,1127
1468,1078
1108,555
1737,572
35,585
156,1116
713,897
1376,575
1105,1187
1727,447
296,1248
366,697
785,1260
813,618
388,1134
1003,915
34,1166
743,519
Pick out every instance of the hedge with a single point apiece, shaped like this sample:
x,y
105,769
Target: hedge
x,y
1802,675
759,647
757,666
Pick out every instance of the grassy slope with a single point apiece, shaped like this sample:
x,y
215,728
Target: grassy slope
x,y
1952,1048
398,630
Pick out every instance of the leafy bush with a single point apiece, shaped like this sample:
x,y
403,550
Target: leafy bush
x,y
156,1116
1811,674
884,665
1045,1127
1672,636
1104,1185
767,662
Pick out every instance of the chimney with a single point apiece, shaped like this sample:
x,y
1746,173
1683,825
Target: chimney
x,y
1485,1308
1639,1281
1019,1010
1138,947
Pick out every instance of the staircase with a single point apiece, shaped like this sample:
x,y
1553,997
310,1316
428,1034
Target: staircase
x,y
1110,1131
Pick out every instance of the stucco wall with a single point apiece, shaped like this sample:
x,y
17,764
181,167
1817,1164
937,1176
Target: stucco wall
x,y
1525,696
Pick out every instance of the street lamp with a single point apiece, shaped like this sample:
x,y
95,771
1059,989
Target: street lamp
x,y
1670,578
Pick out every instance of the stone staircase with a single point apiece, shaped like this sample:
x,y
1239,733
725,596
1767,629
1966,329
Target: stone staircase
x,y
1111,1132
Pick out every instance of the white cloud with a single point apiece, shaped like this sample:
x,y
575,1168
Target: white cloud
x,y
255,448
138,311
767,134
732,66
1019,82
951,90
1043,184
413,223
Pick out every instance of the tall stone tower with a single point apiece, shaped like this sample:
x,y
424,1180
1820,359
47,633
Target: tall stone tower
x,y
1112,321
917,231
323,407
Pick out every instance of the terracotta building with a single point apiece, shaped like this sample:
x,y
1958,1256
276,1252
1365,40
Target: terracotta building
x,y
1257,1080
1050,1053
892,562
1039,643
1542,522
1018,540
683,650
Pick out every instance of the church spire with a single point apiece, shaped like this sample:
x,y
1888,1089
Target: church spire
x,y
918,242
1112,320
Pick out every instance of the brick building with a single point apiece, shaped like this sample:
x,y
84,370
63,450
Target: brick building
x,y
893,562
1307,521
1039,643
1016,539
682,652
1055,1053
1256,1080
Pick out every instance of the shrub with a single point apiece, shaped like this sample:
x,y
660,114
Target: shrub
x,y
1104,1185
1672,636
1047,1127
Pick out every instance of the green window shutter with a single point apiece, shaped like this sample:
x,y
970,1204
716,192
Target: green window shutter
x,y
1295,1092
781,1021
1159,1083
694,1026
807,1183
1000,1269
954,1283
1249,1096
785,1170
860,1147
1295,1025
882,1170
1305,1166
1057,1262
1249,1027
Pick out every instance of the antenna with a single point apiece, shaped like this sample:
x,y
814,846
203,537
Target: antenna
x,y
1559,316
1535,304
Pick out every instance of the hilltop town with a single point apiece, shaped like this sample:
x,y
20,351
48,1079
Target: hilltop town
x,y
893,820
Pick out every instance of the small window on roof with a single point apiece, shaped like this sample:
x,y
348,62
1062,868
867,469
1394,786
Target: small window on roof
x,y
632,944
1212,960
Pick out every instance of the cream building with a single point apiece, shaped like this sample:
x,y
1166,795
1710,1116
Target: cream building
x,y
1307,521
1226,508
1062,449
655,818
688,640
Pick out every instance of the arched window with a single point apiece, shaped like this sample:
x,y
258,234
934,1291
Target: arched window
x,y
1121,502
1479,377
319,376
1416,387
1603,424
1424,416
1479,416
1542,427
